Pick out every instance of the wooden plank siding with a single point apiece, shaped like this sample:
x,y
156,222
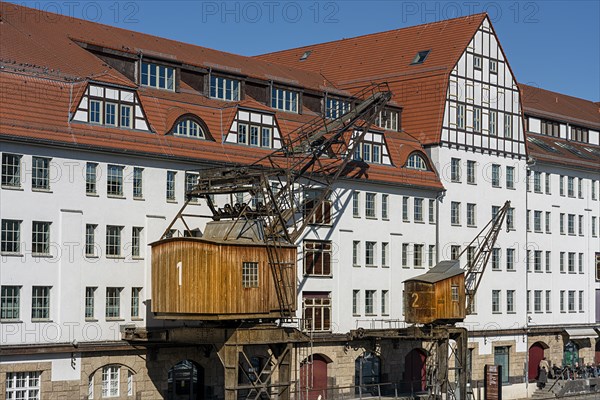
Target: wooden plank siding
x,y
427,303
211,280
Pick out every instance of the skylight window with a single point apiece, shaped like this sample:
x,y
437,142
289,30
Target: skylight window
x,y
542,144
420,57
305,55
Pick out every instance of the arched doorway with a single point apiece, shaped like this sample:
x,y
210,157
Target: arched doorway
x,y
186,381
313,377
367,372
415,371
536,353
570,354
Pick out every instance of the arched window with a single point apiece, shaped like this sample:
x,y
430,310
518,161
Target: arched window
x,y
190,128
416,161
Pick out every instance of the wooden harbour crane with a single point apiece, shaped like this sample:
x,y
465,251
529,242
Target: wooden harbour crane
x,y
239,273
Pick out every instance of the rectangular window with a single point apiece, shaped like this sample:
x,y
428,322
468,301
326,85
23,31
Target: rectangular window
x,y
528,300
317,311
369,302
11,170
460,116
548,264
158,76
110,381
431,211
355,253
493,66
418,210
571,224
571,186
385,254
594,195
249,274
580,188
171,185
477,119
388,119
562,301
547,183
455,213
40,303
471,173
224,88
528,220
356,204
138,192
581,301
510,177
285,99
317,258
455,170
510,259
493,122
537,301
242,133
335,108
510,301
510,219
580,259
10,303
370,253
571,301
90,240
370,205
594,226
113,302
548,301
571,262
496,259
23,385
113,240
90,178
495,301
562,223
405,254
40,238
495,175
561,181
431,255
135,302
384,302
418,255
110,114
384,206
136,241
476,62
11,236
550,128
537,182
548,222
537,221
356,302
471,214
454,252
508,129
126,116
40,173
562,261
114,180
90,296
405,209
580,225
265,137
95,112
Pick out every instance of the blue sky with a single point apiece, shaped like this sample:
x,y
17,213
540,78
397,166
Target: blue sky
x,y
551,44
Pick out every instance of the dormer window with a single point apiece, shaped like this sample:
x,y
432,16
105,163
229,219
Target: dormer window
x,y
285,99
224,88
158,76
190,128
420,57
254,128
113,107
388,119
335,108
416,161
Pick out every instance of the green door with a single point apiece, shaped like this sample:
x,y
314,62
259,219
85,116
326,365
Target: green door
x,y
501,358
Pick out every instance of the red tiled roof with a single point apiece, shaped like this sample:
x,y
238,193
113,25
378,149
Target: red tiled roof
x,y
387,56
547,104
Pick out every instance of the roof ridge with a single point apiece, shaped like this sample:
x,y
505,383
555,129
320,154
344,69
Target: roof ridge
x,y
471,16
555,92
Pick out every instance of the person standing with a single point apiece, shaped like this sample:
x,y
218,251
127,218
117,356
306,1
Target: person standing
x,y
543,369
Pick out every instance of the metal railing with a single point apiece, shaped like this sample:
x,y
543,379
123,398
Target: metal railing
x,y
398,390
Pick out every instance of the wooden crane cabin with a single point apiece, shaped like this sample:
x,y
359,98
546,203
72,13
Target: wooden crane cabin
x,y
223,275
436,297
